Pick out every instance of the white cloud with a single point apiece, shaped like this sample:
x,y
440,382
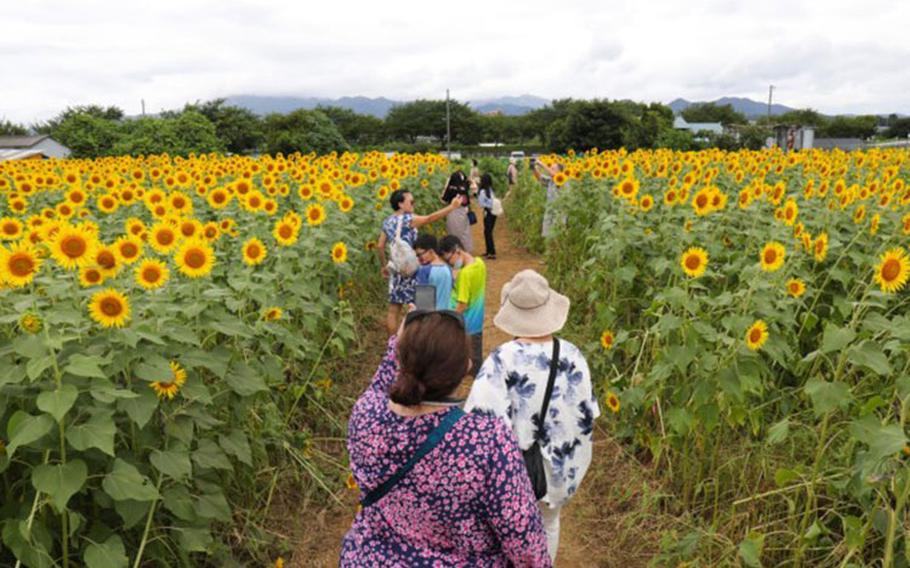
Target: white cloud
x,y
837,56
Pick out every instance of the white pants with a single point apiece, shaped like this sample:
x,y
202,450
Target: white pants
x,y
550,526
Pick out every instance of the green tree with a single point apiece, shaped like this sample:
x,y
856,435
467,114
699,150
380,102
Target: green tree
x,y
195,134
753,136
8,128
239,129
590,124
428,118
357,129
801,117
111,113
302,131
848,127
900,128
710,112
147,136
87,135
675,140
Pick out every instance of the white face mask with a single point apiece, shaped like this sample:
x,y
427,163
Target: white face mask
x,y
458,263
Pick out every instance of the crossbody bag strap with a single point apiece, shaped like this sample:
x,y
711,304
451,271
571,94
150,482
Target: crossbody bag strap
x,y
436,436
398,231
554,366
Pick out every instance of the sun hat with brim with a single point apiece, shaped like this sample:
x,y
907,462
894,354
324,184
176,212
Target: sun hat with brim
x,y
530,308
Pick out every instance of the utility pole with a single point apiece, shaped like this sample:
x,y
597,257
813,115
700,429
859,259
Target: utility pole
x,y
770,92
143,107
448,129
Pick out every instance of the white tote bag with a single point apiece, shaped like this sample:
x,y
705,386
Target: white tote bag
x,y
496,210
403,258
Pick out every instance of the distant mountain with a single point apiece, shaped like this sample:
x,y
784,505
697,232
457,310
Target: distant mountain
x,y
750,108
511,106
378,107
263,105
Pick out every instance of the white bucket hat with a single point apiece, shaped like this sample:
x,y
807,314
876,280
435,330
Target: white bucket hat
x,y
530,308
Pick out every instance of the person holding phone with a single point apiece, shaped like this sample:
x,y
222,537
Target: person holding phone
x,y
433,271
457,222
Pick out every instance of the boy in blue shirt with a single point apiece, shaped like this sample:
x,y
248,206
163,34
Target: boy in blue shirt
x,y
433,270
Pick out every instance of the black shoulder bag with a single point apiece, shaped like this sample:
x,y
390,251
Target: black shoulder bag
x,y
533,456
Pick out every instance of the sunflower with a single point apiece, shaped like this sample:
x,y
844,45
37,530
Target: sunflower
x,y
163,237
195,258
694,261
345,204
272,313
169,388
254,252
315,214
772,256
757,335
796,287
151,274
339,253
129,248
627,188
72,246
607,338
612,401
31,323
107,260
285,233
110,308
90,276
10,229
218,198
18,265
820,247
646,203
893,270
874,223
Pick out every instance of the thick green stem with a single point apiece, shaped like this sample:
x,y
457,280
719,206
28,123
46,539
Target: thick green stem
x,y
148,526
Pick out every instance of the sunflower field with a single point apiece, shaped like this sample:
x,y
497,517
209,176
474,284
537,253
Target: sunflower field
x,y
749,316
163,324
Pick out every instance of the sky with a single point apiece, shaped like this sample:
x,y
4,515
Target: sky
x,y
837,56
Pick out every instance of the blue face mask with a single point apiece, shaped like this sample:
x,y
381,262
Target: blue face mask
x,y
458,264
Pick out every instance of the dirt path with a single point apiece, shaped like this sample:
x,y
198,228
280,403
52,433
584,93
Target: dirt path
x,y
608,523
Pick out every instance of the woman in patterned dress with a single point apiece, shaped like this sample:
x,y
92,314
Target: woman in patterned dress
x,y
468,502
512,382
402,288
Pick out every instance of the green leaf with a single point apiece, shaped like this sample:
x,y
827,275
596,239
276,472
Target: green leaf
x,y
175,464
236,444
213,506
154,368
853,530
36,367
60,481
870,356
85,366
209,455
784,477
29,346
141,408
110,554
125,482
883,441
104,391
779,432
24,429
132,512
836,338
827,396
244,380
58,402
11,374
750,550
98,432
194,539
178,501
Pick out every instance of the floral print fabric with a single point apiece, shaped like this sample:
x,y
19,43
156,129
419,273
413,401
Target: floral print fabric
x,y
511,385
467,503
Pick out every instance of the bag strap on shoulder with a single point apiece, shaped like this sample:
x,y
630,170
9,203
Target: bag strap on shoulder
x,y
554,366
398,230
436,436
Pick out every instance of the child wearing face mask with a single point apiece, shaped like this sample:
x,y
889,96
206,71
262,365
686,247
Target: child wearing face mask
x,y
468,292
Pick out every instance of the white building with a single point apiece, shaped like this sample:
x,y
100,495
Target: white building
x,y
679,123
24,147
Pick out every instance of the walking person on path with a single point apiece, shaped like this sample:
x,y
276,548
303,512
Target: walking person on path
x,y
457,221
512,384
511,176
433,270
402,287
485,199
469,292
439,487
546,174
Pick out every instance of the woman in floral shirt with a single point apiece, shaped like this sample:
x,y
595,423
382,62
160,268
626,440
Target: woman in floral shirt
x,y
512,382
468,502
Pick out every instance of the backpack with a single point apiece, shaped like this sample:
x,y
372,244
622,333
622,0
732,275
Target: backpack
x,y
403,259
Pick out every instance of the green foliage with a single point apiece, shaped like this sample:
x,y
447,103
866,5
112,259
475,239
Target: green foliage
x,y
710,112
899,128
359,130
87,135
8,128
238,129
302,131
848,127
428,118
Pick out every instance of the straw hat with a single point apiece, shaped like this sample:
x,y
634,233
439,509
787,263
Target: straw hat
x,y
530,308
